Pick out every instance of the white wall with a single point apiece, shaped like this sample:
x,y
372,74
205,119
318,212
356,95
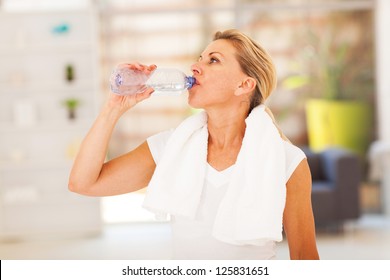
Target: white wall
x,y
383,93
383,67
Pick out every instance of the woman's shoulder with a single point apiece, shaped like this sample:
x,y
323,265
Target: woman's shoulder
x,y
292,150
157,143
162,136
294,156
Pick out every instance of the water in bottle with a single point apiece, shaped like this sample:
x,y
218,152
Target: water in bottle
x,y
126,81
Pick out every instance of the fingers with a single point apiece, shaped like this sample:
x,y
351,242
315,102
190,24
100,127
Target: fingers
x,y
144,95
131,100
139,67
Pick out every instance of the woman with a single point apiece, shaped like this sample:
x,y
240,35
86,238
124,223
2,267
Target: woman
x,y
227,181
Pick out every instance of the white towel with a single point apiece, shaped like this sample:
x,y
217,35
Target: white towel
x,y
251,211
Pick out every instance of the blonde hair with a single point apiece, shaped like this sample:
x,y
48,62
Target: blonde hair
x,y
254,61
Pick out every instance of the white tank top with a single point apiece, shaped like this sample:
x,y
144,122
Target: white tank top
x,y
192,238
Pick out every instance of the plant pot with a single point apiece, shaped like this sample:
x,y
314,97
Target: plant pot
x,y
345,124
71,113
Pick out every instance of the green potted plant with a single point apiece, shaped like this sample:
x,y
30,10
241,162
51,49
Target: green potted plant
x,y
338,86
71,105
69,73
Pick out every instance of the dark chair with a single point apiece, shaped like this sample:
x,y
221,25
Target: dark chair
x,y
336,175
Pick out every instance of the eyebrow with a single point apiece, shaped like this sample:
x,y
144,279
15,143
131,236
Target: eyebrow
x,y
212,54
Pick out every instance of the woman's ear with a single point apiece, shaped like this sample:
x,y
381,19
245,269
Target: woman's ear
x,y
247,86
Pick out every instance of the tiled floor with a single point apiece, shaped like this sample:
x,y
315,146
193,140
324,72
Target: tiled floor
x,y
369,238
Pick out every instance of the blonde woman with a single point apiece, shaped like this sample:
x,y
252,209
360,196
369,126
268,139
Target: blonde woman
x,y
227,178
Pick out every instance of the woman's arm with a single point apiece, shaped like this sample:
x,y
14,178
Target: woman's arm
x,y
130,172
298,219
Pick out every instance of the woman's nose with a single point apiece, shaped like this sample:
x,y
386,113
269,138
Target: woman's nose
x,y
195,69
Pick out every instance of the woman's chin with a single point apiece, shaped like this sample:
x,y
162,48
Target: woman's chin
x,y
195,106
193,102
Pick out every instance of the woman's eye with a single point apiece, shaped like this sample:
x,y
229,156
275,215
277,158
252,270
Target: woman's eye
x,y
213,60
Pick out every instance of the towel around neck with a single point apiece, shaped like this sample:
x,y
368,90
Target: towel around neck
x,y
251,212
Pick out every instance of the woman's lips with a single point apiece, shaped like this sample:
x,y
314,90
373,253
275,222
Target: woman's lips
x,y
194,85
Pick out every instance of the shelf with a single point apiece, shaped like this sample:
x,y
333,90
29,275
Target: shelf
x,y
52,126
42,88
29,164
44,49
36,159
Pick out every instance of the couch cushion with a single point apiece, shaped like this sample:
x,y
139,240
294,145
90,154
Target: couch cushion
x,y
314,161
322,186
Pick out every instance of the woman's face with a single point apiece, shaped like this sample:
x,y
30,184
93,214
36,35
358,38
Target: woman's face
x,y
218,75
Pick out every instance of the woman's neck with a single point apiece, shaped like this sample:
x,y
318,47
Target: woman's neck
x,y
226,128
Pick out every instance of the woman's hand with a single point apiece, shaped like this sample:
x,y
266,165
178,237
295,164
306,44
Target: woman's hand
x,y
125,102
90,175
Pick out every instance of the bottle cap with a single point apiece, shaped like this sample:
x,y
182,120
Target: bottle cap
x,y
190,81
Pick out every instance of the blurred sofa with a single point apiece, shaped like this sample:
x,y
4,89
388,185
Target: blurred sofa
x,y
336,175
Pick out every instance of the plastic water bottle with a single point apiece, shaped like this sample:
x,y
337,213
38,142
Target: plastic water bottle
x,y
125,81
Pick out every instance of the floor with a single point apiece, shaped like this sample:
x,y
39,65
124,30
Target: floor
x,y
368,238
